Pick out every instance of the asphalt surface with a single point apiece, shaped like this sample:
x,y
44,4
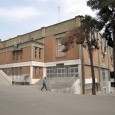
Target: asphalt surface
x,y
29,100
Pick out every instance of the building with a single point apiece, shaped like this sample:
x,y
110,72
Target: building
x,y
29,57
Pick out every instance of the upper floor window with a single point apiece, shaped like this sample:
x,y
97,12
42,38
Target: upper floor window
x,y
111,55
15,55
40,51
60,48
36,48
21,53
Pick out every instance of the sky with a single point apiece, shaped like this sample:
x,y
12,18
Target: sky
x,y
18,17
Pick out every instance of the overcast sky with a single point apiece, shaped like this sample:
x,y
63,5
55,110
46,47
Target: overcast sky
x,y
18,17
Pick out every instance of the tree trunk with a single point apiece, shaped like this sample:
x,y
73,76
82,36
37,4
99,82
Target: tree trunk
x,y
92,67
114,50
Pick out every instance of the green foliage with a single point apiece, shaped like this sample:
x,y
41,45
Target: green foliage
x,y
106,9
80,34
106,13
99,4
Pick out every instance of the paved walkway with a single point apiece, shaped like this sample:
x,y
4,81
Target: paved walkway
x,y
29,100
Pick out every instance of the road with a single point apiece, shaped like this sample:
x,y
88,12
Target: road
x,y
29,100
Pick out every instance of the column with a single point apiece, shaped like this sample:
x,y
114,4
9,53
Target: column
x,y
31,74
44,72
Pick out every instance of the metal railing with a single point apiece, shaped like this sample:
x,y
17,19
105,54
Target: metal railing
x,y
64,86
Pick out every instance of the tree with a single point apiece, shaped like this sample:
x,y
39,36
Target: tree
x,y
81,35
106,14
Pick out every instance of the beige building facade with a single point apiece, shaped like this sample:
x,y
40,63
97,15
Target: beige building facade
x,y
29,57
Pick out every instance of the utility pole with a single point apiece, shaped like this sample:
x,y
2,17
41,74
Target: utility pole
x,y
82,68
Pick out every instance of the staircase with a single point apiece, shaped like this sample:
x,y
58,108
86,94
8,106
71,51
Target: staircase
x,y
62,84
4,79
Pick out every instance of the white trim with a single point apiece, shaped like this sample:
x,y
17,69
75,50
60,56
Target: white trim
x,y
33,63
68,62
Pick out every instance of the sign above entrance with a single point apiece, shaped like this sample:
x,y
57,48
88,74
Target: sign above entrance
x,y
60,64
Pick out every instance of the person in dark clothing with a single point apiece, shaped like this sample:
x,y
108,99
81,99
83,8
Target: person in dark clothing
x,y
44,83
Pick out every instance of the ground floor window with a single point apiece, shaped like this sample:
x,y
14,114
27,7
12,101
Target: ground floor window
x,y
60,71
50,72
73,70
63,71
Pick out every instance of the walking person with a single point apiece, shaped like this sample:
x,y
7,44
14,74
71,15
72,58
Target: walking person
x,y
44,84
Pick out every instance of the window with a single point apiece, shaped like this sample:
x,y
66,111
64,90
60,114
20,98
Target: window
x,y
40,71
12,71
35,70
59,48
104,49
50,72
36,48
15,55
20,70
40,49
73,70
103,74
21,54
104,79
111,55
16,71
112,74
60,71
112,84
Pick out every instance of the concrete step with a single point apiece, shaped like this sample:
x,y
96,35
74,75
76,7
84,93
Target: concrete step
x,y
57,83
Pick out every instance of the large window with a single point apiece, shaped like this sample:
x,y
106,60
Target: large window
x,y
104,77
73,70
50,72
59,48
61,72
